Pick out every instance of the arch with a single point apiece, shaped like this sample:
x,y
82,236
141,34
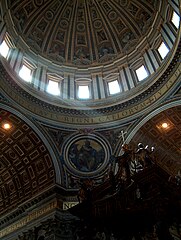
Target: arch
x,y
145,119
149,116
41,136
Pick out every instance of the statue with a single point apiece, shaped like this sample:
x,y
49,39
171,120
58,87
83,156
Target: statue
x,y
143,155
124,164
131,162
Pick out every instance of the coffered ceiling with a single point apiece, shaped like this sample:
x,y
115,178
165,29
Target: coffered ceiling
x,y
167,141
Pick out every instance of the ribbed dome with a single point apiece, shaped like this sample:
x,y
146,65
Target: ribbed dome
x,y
110,48
82,32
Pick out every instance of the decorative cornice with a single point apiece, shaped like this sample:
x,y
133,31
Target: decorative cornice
x,y
46,110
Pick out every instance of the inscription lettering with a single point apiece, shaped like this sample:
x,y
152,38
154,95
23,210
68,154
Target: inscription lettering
x,y
31,106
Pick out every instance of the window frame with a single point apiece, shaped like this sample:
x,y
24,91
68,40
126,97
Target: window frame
x,y
88,89
4,55
7,40
53,77
172,22
111,81
83,82
146,70
162,58
29,65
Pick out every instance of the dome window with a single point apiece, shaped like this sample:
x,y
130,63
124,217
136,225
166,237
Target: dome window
x,y
175,19
26,71
141,73
53,86
83,92
113,87
83,88
4,49
163,50
5,46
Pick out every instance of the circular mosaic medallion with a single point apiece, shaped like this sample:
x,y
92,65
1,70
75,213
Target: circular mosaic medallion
x,y
86,155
